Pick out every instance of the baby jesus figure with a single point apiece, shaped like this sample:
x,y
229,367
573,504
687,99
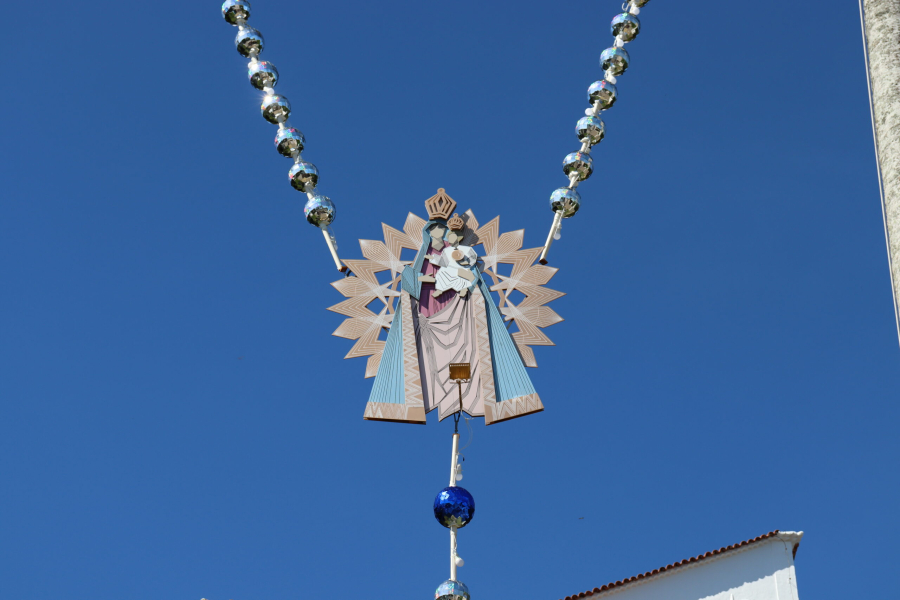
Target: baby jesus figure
x,y
456,263
455,273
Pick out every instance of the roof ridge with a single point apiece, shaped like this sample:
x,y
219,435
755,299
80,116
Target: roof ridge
x,y
675,565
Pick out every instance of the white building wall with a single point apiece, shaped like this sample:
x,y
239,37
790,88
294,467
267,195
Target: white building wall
x,y
760,571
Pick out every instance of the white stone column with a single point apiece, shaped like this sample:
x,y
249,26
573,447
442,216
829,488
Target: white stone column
x,y
881,29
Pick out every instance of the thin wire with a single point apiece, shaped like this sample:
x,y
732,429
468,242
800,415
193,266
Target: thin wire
x,y
887,236
471,434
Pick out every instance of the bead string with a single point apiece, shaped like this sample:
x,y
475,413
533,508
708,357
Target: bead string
x,y
590,129
276,109
304,176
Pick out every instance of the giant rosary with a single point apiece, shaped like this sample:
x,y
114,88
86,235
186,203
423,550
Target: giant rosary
x,y
449,311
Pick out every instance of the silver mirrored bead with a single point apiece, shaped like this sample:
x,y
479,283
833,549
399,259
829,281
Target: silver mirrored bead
x,y
320,211
603,92
249,42
289,142
566,201
590,130
579,163
236,11
625,26
275,109
262,74
304,176
452,590
615,60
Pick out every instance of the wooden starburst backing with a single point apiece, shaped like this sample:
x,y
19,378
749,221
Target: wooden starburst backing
x,y
363,288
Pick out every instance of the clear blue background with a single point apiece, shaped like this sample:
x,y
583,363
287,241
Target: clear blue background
x,y
177,421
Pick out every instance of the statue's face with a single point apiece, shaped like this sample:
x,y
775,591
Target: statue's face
x,y
437,232
453,238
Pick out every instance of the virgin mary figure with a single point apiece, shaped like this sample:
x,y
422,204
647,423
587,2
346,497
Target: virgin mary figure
x,y
433,328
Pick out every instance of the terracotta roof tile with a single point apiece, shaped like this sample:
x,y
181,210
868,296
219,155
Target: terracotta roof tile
x,y
620,583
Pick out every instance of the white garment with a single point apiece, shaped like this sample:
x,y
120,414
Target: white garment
x,y
448,276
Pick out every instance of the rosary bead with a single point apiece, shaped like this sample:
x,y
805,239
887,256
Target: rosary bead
x,y
275,109
304,176
579,163
249,42
454,507
566,201
235,11
320,211
452,590
625,27
262,74
615,61
289,142
604,92
590,130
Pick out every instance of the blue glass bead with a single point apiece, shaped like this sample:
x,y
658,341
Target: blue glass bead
x,y
566,201
625,26
262,74
603,92
615,60
452,590
454,507
289,142
320,211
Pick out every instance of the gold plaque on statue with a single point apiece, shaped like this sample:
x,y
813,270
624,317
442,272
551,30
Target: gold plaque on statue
x,y
460,371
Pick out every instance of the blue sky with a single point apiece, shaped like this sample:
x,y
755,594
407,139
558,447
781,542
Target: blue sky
x,y
178,421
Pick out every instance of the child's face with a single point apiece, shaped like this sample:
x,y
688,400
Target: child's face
x,y
453,238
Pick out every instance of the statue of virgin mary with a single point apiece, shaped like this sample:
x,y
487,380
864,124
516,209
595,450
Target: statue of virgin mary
x,y
446,314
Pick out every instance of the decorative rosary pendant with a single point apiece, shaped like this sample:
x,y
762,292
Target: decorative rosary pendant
x,y
456,339
439,309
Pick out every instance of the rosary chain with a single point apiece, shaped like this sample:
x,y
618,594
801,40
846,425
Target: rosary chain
x,y
590,129
276,109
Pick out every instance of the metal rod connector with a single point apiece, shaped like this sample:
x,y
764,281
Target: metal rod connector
x,y
333,249
453,463
557,220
